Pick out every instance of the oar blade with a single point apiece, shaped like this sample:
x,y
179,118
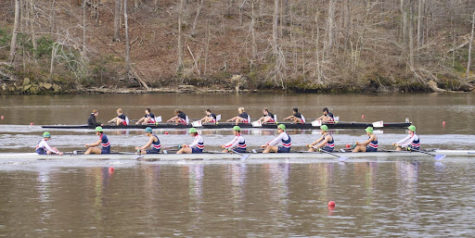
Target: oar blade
x,y
244,156
342,158
439,156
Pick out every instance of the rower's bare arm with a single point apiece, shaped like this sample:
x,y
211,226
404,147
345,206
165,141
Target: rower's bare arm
x,y
324,142
288,118
149,143
98,142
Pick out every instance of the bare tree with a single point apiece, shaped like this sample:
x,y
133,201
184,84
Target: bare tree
x,y
180,43
117,20
127,43
469,61
15,31
198,11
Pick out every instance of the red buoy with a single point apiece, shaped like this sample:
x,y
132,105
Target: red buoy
x,y
111,170
31,123
443,123
331,204
2,117
166,132
363,116
348,146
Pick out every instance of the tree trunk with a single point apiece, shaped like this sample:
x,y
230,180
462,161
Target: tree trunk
x,y
275,24
253,32
15,31
403,22
84,25
127,43
411,36
117,21
180,43
51,16
31,17
198,11
419,22
469,61
331,23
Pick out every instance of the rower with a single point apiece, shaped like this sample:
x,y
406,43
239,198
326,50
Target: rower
x,y
209,118
243,117
153,143
148,118
194,148
370,145
283,137
268,117
92,120
325,142
179,118
238,144
44,149
410,142
120,119
103,141
296,116
327,116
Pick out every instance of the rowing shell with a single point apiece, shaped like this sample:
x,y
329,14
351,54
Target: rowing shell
x,y
224,157
222,125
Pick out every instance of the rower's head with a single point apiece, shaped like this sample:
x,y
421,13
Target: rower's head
x,y
265,111
147,110
99,130
412,129
281,128
208,111
241,109
193,131
369,130
237,130
95,112
46,135
323,129
295,110
325,111
119,111
178,111
148,131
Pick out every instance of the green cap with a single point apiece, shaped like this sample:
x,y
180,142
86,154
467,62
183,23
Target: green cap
x,y
324,127
99,129
281,126
46,134
412,128
148,130
193,130
369,129
236,128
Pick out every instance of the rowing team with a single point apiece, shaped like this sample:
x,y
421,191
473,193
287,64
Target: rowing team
x,y
280,144
210,117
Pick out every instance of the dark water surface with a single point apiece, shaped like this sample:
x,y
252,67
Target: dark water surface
x,y
374,198
377,199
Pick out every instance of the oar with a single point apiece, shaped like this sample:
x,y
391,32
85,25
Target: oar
x,y
340,158
243,156
436,156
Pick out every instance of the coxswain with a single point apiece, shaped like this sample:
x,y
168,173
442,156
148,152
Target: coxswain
x,y
296,116
44,149
267,117
103,141
410,142
327,116
237,144
243,117
153,145
148,118
370,145
194,148
325,142
209,118
179,118
120,119
92,120
283,138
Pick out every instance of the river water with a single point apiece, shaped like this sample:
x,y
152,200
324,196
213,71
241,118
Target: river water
x,y
411,197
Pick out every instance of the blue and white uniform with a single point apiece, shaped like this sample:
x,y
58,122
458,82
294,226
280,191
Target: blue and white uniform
x,y
372,146
285,140
330,146
198,145
106,145
42,148
410,141
155,147
238,144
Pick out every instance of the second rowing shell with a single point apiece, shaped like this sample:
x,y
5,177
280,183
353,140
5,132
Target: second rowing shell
x,y
223,125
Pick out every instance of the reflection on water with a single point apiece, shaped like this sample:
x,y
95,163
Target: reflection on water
x,y
393,198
